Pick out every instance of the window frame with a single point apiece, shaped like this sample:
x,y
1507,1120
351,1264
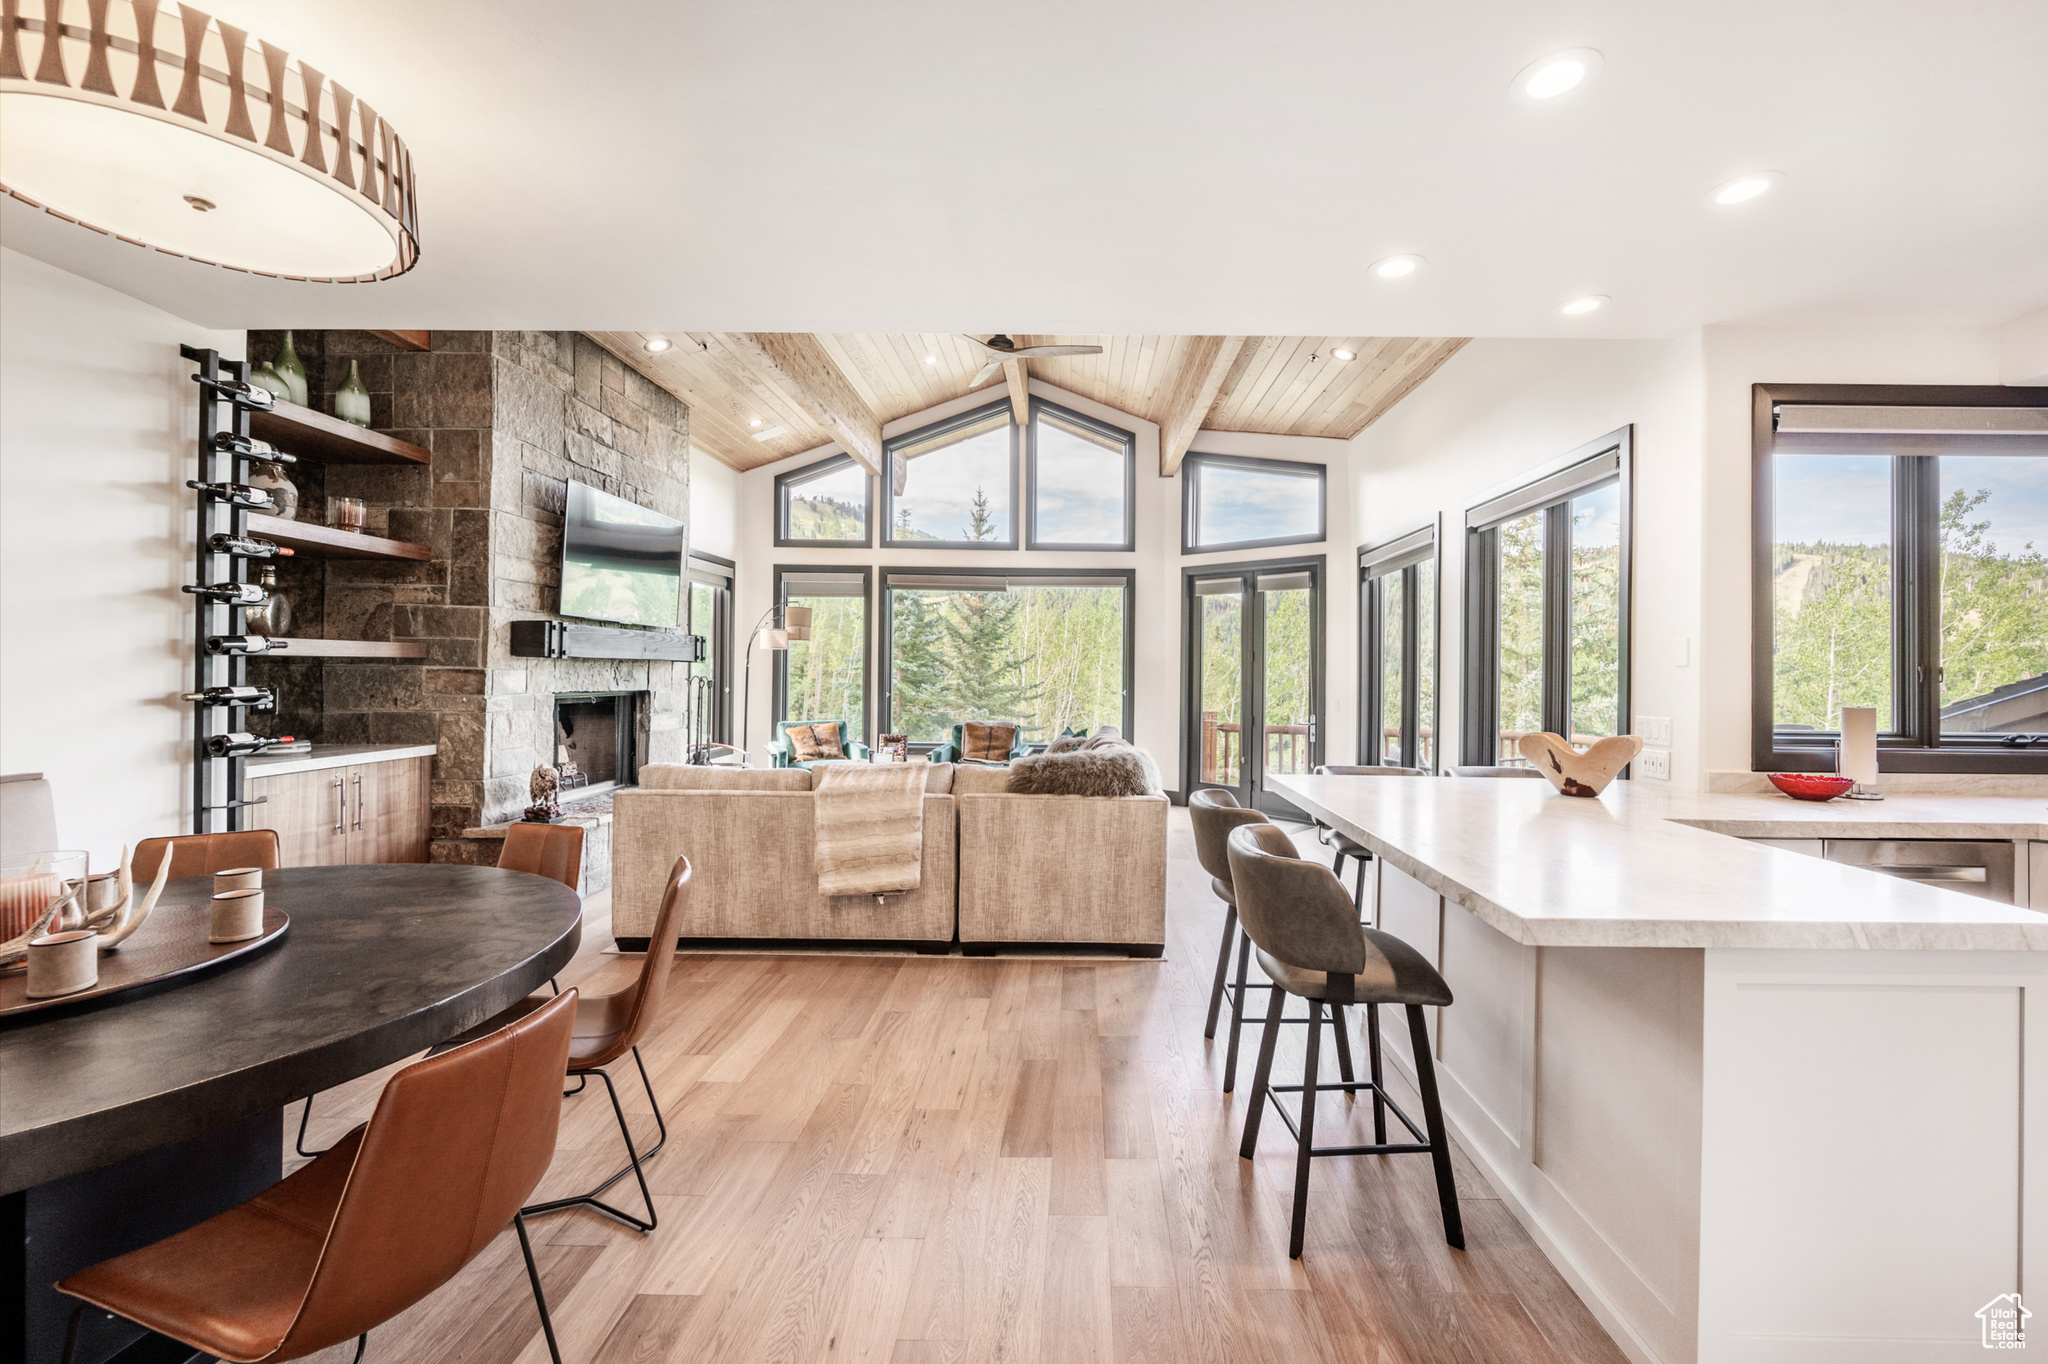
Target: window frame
x,y
718,638
885,673
1479,669
812,470
1910,739
1400,558
778,707
1191,502
1130,461
933,431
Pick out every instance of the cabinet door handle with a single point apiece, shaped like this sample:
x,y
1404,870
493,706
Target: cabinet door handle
x,y
359,800
340,805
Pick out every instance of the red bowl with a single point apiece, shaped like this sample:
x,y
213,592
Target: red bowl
x,y
1810,785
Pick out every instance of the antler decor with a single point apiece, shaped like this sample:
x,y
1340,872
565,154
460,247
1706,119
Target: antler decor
x,y
116,923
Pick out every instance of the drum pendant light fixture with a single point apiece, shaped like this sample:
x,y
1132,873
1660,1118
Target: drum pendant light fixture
x,y
155,123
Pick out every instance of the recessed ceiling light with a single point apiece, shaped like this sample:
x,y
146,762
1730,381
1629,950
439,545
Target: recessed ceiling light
x,y
1343,353
1743,188
931,359
1395,267
1583,304
755,422
1548,77
656,345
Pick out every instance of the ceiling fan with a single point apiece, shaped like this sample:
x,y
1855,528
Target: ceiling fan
x,y
1001,348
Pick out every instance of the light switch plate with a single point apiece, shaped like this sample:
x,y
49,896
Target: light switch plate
x,y
1655,729
1654,764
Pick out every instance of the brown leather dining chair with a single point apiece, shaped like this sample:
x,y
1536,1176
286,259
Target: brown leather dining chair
x,y
387,1215
205,854
551,850
608,1028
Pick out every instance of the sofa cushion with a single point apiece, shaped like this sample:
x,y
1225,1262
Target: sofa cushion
x,y
691,777
971,780
803,743
1108,771
939,781
987,743
826,734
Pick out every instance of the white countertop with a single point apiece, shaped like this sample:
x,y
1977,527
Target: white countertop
x,y
333,755
1644,867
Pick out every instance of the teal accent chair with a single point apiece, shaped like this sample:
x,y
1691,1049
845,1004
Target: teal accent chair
x,y
950,752
784,754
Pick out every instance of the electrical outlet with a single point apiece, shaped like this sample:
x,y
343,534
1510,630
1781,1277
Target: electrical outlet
x,y
1655,729
1654,764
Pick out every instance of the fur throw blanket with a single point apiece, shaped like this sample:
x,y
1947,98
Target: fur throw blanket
x,y
869,825
1114,768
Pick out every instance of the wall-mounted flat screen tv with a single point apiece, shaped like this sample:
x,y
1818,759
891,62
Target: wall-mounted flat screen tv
x,y
620,562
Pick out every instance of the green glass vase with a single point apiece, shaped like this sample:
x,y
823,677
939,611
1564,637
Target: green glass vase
x,y
352,400
291,371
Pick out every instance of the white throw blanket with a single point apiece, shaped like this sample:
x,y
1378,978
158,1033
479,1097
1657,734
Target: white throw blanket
x,y
870,827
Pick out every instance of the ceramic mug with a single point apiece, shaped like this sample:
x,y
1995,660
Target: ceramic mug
x,y
237,916
237,878
63,963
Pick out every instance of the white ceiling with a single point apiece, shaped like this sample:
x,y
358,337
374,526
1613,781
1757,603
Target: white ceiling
x,y
1176,167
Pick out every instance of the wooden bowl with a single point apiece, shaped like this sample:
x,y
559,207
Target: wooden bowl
x,y
1810,785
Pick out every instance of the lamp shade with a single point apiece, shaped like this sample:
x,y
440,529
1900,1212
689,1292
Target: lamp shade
x,y
798,633
774,639
166,128
797,617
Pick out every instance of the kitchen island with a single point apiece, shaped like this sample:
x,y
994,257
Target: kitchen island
x,y
1756,1106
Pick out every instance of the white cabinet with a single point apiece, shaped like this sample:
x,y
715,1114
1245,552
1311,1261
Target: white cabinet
x,y
2037,876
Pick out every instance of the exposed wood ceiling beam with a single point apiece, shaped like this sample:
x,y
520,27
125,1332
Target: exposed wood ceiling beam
x,y
1020,390
797,364
1191,394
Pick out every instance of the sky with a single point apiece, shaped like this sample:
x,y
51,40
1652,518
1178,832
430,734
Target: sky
x,y
939,490
1248,504
1080,490
1846,499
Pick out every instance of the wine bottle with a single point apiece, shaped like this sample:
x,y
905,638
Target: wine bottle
x,y
244,644
241,745
233,594
234,494
248,447
254,698
247,546
238,393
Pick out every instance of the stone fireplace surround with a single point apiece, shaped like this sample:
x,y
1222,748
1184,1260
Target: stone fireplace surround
x,y
508,418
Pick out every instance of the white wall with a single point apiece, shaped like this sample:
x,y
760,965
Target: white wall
x,y
97,417
714,506
1734,359
1156,562
1501,411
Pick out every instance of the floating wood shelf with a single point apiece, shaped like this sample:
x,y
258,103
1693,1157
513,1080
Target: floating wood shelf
x,y
325,542
345,648
314,435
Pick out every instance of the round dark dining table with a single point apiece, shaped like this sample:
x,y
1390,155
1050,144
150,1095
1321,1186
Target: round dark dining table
x,y
128,1117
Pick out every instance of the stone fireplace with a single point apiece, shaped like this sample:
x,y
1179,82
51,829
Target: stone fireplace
x,y
509,418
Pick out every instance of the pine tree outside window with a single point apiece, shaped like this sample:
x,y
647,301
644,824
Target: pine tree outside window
x,y
953,484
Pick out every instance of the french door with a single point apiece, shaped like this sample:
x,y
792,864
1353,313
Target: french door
x,y
1254,678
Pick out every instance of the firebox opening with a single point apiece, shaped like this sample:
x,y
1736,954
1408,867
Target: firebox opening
x,y
594,743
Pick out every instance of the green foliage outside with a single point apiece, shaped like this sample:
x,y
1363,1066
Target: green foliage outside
x,y
1222,685
1596,621
1288,664
1994,607
1521,631
826,518
827,672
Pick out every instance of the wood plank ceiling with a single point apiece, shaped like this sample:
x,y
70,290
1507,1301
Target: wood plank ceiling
x,y
746,409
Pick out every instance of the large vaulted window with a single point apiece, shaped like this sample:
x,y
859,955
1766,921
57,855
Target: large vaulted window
x,y
825,677
1082,480
953,484
1547,607
1902,564
1049,650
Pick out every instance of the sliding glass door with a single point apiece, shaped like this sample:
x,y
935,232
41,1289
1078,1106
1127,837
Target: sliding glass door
x,y
1254,670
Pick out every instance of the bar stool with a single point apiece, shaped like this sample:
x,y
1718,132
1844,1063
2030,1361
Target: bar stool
x,y
1214,813
1311,943
1344,843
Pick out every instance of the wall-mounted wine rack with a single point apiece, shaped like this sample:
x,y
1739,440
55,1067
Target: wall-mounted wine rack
x,y
222,591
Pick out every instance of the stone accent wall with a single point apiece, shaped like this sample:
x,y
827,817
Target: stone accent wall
x,y
509,418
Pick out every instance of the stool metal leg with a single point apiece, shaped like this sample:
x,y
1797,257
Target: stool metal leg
x,y
1372,1047
1262,1074
1244,957
1343,1028
1358,897
1433,1118
1222,967
1305,1150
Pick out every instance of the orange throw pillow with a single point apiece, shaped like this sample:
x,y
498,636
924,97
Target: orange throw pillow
x,y
803,743
827,737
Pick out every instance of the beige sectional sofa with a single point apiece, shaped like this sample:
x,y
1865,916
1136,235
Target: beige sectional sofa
x,y
1002,870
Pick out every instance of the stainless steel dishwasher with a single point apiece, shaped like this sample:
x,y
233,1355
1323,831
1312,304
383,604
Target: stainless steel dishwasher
x,y
1983,869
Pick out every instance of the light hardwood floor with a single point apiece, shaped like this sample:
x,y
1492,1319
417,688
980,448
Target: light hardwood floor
x,y
923,1160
